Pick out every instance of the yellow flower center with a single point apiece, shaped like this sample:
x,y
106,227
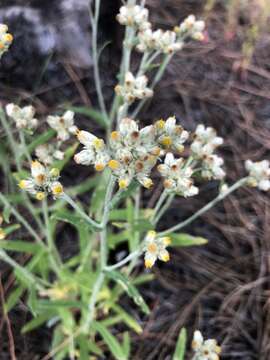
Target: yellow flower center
x,y
22,184
55,172
160,124
114,164
115,135
123,183
57,189
148,183
8,38
166,240
152,248
166,141
99,167
40,195
2,234
165,257
98,144
148,263
1,45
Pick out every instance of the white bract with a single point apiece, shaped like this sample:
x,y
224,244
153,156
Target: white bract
x,y
42,182
23,117
94,151
177,176
163,41
155,248
259,174
205,349
172,136
5,39
63,125
47,154
133,15
133,88
192,27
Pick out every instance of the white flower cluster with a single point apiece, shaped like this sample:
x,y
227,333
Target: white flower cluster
x,y
42,182
5,39
177,176
132,153
155,248
259,174
47,153
63,125
192,28
205,143
133,15
133,88
166,42
205,349
23,117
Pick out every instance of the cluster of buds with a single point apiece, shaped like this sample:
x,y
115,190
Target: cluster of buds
x,y
5,39
205,349
133,88
23,117
191,27
63,125
42,182
155,248
165,42
47,153
259,174
205,143
132,153
134,16
177,176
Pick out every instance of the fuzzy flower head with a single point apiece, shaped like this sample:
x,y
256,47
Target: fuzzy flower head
x,y
133,88
94,151
177,176
23,117
134,153
42,182
2,231
164,41
63,125
133,15
205,349
47,154
203,147
155,248
259,174
170,135
192,28
5,39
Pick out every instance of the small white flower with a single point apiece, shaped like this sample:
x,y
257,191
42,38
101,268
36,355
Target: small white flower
x,y
259,174
212,167
46,153
192,27
63,125
178,176
155,248
42,182
205,349
5,39
134,88
94,151
133,15
23,117
206,141
171,135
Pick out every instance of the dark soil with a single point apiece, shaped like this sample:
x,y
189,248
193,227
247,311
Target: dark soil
x,y
222,288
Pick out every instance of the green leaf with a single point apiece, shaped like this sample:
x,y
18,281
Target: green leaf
x,y
186,240
37,321
126,344
13,298
126,318
42,139
110,340
97,200
181,345
130,289
69,217
10,229
116,239
91,113
6,213
20,246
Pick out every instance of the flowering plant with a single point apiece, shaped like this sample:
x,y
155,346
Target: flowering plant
x,y
78,296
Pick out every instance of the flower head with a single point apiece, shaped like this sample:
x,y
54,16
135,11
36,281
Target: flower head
x,y
192,28
205,349
259,174
5,39
23,117
42,182
94,151
133,15
177,176
155,248
134,88
63,125
47,153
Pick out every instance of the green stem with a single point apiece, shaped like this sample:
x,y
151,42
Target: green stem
x,y
164,209
21,219
160,201
132,256
94,22
72,203
207,207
